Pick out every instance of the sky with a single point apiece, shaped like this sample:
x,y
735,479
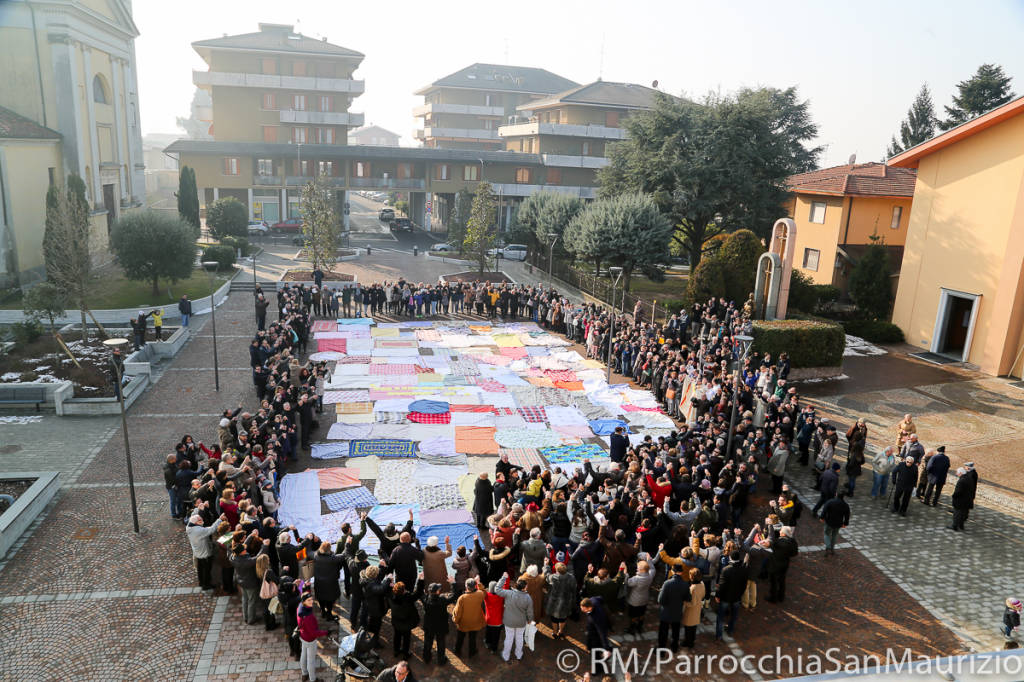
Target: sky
x,y
859,64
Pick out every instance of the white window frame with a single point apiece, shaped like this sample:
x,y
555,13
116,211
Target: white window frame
x,y
817,259
444,172
299,135
326,168
586,148
897,216
470,173
298,102
326,100
231,167
265,167
814,206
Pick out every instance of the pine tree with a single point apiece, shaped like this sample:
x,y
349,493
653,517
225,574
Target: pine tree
x,y
480,228
919,124
987,89
66,249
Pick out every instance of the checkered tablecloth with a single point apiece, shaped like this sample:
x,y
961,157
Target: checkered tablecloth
x,y
426,418
534,414
382,369
350,499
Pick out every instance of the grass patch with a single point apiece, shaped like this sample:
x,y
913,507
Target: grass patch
x,y
113,290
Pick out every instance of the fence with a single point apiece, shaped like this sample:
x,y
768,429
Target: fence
x,y
601,288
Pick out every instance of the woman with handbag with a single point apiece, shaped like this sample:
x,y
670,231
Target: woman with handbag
x,y
268,589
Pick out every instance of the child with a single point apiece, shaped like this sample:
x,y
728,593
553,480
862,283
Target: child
x,y
1011,617
158,323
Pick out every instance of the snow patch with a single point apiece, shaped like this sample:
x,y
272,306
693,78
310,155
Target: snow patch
x,y
818,380
21,420
10,376
858,347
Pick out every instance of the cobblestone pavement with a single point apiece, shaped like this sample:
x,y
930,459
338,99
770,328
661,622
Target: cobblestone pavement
x,y
106,604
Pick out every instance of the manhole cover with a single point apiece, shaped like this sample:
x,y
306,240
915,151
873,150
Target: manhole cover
x,y
85,533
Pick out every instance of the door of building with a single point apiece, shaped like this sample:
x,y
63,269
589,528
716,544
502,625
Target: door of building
x,y
958,324
108,203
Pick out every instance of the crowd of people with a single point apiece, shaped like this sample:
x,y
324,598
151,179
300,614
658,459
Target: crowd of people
x,y
661,535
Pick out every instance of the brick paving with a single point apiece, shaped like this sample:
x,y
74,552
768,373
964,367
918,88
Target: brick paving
x,y
894,582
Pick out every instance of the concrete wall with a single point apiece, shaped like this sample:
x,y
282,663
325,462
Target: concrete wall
x,y
966,234
28,506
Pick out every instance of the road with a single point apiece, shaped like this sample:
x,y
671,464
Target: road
x,y
368,231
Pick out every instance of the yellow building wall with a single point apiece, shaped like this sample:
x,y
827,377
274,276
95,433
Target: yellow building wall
x,y
28,177
967,198
19,79
873,215
823,237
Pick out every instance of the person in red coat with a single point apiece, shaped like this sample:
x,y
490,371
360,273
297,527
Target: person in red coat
x,y
659,490
494,614
309,632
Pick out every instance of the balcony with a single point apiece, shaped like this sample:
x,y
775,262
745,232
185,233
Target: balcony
x,y
464,109
463,133
512,189
264,81
564,129
388,183
568,161
301,180
321,117
271,180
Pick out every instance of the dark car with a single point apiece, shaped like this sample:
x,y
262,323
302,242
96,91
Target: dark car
x,y
289,225
401,224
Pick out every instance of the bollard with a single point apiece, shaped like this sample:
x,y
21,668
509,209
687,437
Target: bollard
x,y
415,250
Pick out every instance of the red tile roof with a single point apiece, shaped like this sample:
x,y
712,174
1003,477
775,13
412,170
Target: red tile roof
x,y
862,179
16,126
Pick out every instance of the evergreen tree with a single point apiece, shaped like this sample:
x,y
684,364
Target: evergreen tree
x,y
987,89
320,225
480,228
919,124
188,199
870,287
66,250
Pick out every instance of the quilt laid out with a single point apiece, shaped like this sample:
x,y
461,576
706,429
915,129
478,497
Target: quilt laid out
x,y
383,447
424,407
350,499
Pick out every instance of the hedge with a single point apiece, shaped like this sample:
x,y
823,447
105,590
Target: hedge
x,y
809,343
236,243
875,331
224,255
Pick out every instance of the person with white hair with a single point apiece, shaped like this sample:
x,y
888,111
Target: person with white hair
x,y
882,465
532,551
784,548
963,495
200,537
905,477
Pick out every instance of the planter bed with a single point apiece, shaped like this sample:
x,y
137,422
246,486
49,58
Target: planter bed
x,y
473,276
35,490
44,361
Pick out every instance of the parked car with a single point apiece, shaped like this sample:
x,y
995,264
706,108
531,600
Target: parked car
x,y
510,252
258,227
401,224
386,215
443,246
289,225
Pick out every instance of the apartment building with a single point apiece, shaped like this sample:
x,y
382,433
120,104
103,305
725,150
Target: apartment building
x,y
373,135
464,109
570,130
68,105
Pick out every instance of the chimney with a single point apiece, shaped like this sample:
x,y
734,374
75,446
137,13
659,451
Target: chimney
x,y
325,39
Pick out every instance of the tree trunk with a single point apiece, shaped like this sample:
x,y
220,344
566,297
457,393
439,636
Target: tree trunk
x,y
85,328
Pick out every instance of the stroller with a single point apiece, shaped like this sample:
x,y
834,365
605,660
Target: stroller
x,y
356,657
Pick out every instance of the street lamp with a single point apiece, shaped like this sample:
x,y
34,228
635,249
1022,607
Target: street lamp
x,y
254,285
552,238
115,345
611,331
745,343
210,266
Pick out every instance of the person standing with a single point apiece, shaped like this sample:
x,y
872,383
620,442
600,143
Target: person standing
x,y
200,537
619,444
777,466
435,622
158,323
185,309
963,495
829,486
692,608
518,612
732,583
835,515
483,500
672,596
468,616
638,593
309,632
784,548
936,470
261,312
906,479
597,623
882,466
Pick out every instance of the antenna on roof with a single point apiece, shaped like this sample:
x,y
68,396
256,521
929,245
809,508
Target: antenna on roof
x,y
600,68
654,84
853,159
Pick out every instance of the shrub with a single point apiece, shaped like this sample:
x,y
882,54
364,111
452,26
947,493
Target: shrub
x,y
236,243
875,331
870,285
224,255
825,296
707,280
28,331
739,254
802,295
45,300
809,343
227,216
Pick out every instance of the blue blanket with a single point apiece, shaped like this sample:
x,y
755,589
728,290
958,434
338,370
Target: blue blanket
x,y
606,427
382,447
429,406
460,534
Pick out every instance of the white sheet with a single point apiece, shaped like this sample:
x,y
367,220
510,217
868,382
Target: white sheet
x,y
300,502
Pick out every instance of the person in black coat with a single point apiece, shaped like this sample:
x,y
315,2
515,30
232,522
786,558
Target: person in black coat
x,y
326,574
619,444
963,495
936,469
672,596
483,500
287,550
435,622
404,614
375,591
597,625
829,485
905,476
389,536
289,596
405,559
836,516
784,548
732,583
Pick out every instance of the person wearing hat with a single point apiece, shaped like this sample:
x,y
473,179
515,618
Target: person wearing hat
x,y
906,479
936,469
963,495
1011,617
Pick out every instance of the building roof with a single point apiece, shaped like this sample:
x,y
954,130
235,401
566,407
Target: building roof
x,y
911,157
16,127
502,77
860,179
275,38
372,128
350,151
601,93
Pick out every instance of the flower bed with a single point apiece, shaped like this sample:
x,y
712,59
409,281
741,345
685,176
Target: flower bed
x,y
44,361
307,276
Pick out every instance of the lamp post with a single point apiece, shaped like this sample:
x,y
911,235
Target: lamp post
x,y
611,331
552,238
745,343
210,266
254,285
114,345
